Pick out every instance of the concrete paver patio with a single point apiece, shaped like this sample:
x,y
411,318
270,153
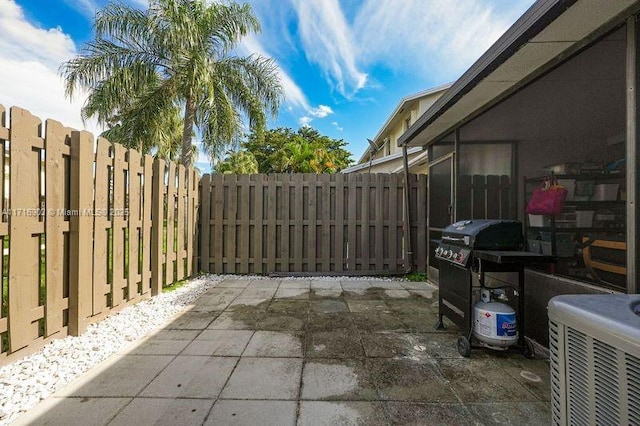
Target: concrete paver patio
x,y
306,352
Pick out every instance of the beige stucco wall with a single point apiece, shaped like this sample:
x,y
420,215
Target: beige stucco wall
x,y
397,126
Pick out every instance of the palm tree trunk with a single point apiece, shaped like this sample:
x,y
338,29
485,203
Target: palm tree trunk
x,y
189,114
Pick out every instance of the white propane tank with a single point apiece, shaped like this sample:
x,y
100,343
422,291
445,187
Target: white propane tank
x,y
494,324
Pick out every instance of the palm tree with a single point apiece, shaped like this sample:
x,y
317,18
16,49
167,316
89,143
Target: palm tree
x,y
176,54
162,133
240,162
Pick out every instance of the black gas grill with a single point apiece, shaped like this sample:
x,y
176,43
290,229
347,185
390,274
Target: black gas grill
x,y
471,247
460,239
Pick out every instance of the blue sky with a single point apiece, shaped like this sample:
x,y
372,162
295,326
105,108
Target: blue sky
x,y
344,65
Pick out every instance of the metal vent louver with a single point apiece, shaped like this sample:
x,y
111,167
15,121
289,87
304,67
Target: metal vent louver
x,y
578,377
594,343
633,382
554,369
606,383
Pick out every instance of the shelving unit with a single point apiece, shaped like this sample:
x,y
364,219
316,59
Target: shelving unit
x,y
561,236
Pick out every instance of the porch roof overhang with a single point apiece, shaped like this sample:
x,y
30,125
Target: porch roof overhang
x,y
546,35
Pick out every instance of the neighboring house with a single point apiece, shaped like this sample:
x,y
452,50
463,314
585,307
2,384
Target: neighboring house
x,y
387,157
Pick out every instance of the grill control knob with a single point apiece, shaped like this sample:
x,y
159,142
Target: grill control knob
x,y
439,251
450,254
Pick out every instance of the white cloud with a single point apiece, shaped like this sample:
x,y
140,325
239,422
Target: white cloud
x,y
141,3
439,37
328,42
202,156
87,7
33,86
304,121
294,95
321,112
30,57
22,41
337,126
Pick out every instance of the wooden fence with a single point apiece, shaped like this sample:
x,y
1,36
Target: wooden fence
x,y
309,223
485,197
85,232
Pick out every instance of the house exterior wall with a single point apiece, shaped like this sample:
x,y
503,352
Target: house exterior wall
x,y
410,108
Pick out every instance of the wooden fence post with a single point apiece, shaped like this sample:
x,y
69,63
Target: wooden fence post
x,y
180,252
205,222
157,232
81,231
4,225
56,187
147,223
102,226
24,243
192,222
133,220
118,226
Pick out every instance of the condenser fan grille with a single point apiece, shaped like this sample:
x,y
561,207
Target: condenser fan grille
x,y
594,360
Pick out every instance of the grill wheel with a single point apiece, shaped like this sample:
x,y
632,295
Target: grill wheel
x,y
527,349
464,346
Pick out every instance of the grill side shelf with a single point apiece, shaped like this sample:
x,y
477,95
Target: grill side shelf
x,y
499,256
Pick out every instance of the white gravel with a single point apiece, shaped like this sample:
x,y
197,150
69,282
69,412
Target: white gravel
x,y
29,380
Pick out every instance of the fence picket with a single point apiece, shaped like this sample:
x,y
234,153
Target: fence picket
x,y
181,254
298,220
4,219
192,218
272,213
57,146
311,240
379,214
25,310
157,232
420,242
218,212
244,242
365,226
325,186
393,221
80,231
285,237
169,252
134,222
102,225
147,223
205,222
119,283
339,241
257,255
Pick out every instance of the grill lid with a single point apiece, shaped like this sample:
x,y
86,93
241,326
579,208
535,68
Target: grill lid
x,y
485,234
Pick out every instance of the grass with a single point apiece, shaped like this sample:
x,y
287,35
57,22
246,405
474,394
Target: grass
x,y
416,276
174,286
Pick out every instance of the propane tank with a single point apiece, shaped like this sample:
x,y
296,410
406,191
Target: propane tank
x,y
494,322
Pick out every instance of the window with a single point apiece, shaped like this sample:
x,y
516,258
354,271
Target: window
x,y
407,123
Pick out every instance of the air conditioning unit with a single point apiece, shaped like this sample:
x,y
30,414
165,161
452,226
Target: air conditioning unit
x,y
594,343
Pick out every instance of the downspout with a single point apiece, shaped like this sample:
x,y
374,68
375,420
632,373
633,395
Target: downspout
x,y
407,214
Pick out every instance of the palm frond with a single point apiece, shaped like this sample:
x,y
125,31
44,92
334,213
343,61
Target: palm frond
x,y
142,65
